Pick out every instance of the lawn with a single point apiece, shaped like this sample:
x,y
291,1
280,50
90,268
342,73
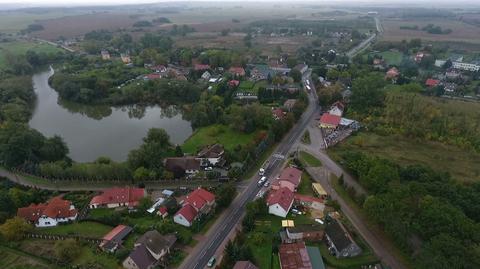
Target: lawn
x,y
305,186
21,47
251,87
308,159
392,57
461,164
85,228
212,134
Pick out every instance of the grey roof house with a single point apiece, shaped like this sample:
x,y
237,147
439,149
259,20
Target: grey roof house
x,y
150,250
340,241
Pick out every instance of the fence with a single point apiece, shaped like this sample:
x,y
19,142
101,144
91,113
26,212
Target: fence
x,y
62,237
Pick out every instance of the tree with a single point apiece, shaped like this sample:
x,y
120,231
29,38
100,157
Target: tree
x,y
296,75
367,93
14,229
225,195
66,250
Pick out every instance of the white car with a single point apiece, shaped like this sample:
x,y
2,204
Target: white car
x,y
319,221
208,168
261,181
261,172
266,184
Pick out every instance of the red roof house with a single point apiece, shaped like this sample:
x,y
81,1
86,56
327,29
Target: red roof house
x,y
289,178
280,201
392,73
233,83
237,71
152,76
278,114
197,202
201,67
113,239
432,82
116,197
329,121
49,214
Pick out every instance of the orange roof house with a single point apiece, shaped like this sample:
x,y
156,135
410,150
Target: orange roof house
x,y
116,197
49,214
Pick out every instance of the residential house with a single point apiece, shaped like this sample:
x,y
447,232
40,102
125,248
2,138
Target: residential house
x,y
329,121
197,203
280,201
302,68
304,232
419,56
289,104
289,178
125,58
181,166
201,67
261,72
237,71
278,114
117,197
212,155
294,256
340,241
152,76
49,214
450,87
244,265
159,68
379,64
432,82
150,250
337,109
472,67
105,55
392,74
114,239
309,201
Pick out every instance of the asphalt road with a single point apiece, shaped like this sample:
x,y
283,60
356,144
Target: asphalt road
x,y
205,249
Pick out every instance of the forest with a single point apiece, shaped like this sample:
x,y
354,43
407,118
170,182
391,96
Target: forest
x,y
431,216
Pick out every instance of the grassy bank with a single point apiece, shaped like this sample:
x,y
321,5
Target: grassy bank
x,y
21,47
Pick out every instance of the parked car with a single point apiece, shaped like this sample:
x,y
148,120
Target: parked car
x,y
266,184
261,172
208,168
319,221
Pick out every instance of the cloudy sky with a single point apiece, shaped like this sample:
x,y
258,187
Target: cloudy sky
x,y
119,2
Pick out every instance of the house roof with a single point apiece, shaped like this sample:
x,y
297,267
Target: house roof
x,y
234,83
54,208
282,196
432,82
188,212
393,72
289,103
301,228
213,151
294,256
306,198
162,210
330,119
292,175
141,257
153,76
278,113
116,195
199,67
338,234
117,233
237,71
339,105
183,163
319,188
199,197
244,265
155,242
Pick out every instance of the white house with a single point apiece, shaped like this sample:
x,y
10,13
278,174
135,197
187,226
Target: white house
x,y
49,214
280,201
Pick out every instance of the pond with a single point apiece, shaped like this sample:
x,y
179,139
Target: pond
x,y
92,131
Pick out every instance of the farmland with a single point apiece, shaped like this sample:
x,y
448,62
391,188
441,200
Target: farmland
x,y
10,258
461,32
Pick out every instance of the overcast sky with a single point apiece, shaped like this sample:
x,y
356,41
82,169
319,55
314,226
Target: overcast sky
x,y
119,2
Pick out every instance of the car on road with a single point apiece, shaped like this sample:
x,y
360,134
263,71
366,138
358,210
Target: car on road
x,y
261,172
211,262
262,181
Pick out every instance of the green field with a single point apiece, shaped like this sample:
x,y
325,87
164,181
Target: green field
x,y
21,47
461,164
308,159
251,87
86,228
305,186
216,134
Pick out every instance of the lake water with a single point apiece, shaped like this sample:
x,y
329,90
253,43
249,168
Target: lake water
x,y
94,131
